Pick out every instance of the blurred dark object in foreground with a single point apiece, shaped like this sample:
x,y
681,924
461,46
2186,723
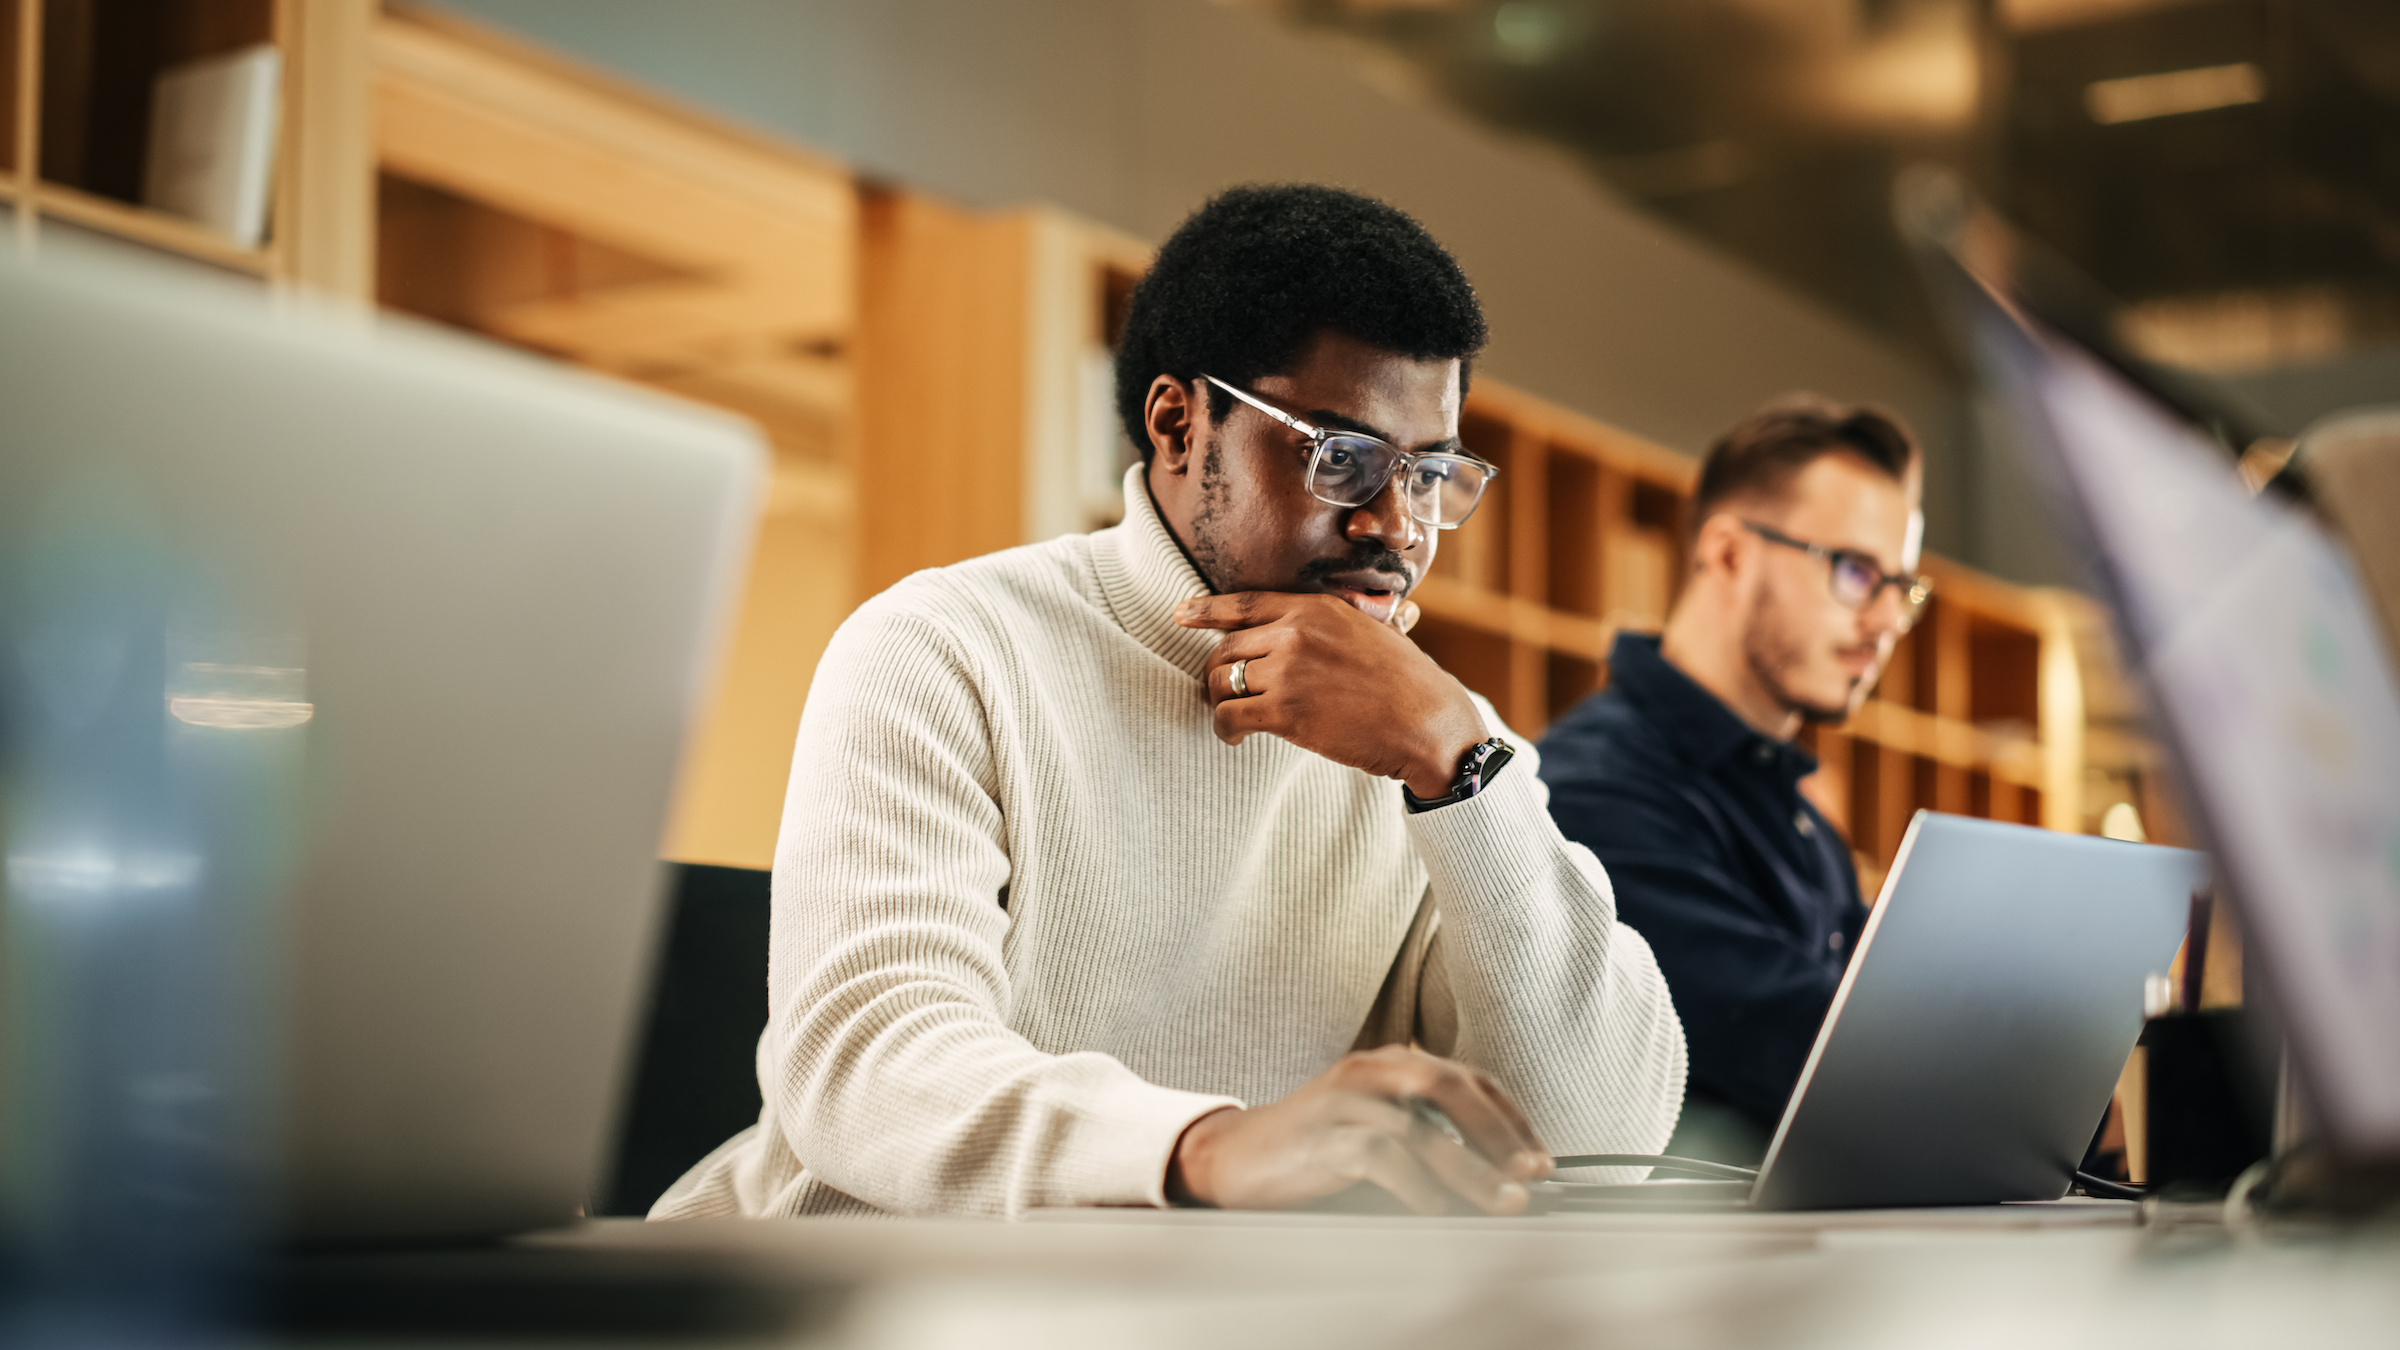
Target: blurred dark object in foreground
x,y
2210,1113
696,1084
518,1292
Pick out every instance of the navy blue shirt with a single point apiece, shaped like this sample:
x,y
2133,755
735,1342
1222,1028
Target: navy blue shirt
x,y
1742,888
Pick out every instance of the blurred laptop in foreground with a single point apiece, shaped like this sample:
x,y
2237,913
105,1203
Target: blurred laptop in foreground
x,y
346,670
2271,684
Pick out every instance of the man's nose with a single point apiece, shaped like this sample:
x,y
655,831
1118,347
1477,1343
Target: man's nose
x,y
1385,519
1887,613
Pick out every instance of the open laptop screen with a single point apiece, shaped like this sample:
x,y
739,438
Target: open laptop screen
x,y
2272,683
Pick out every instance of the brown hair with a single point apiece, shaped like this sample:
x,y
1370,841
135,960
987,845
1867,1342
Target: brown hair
x,y
1763,452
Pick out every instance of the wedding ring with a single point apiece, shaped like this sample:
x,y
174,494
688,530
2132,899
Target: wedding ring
x,y
1241,685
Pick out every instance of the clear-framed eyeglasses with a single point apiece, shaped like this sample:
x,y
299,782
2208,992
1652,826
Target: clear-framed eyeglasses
x,y
1855,576
1349,468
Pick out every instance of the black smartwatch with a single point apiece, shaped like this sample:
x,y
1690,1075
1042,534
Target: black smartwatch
x,y
1481,764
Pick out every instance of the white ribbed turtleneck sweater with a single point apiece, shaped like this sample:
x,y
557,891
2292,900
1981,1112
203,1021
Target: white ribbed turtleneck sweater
x,y
1032,918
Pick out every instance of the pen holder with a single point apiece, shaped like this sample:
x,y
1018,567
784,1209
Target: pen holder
x,y
2209,1114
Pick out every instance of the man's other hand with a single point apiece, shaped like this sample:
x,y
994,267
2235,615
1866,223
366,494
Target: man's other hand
x,y
1327,678
1356,1122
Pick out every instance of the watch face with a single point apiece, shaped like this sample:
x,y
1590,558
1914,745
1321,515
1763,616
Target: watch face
x,y
1481,761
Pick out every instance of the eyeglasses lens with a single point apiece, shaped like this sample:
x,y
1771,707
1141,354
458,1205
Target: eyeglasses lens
x,y
1441,490
1857,581
1350,470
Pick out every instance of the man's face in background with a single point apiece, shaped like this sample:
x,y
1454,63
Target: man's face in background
x,y
1816,655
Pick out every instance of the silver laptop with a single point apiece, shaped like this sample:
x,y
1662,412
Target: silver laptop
x,y
1974,1041
347,669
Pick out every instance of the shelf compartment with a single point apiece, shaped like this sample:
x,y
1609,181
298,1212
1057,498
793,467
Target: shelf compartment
x,y
1570,680
100,61
1882,796
1580,519
1477,553
2004,663
1479,658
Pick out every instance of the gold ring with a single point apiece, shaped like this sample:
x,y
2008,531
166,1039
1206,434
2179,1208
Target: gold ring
x,y
1241,685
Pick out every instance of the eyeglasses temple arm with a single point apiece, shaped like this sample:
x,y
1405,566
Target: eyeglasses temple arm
x,y
1277,413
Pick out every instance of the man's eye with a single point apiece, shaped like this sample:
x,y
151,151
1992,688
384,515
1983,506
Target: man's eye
x,y
1340,457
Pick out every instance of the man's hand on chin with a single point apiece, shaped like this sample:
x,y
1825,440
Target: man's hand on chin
x,y
1360,1122
1329,678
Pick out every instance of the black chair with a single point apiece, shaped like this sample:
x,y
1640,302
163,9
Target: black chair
x,y
695,1084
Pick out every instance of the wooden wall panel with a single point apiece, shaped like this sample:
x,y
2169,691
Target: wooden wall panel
x,y
545,205
729,793
763,236
942,379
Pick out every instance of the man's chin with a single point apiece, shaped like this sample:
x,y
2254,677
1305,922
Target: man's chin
x,y
1830,714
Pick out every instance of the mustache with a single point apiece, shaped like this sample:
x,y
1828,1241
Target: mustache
x,y
1369,556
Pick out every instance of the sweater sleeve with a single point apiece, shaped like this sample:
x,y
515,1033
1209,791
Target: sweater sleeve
x,y
1550,993
1751,989
888,1061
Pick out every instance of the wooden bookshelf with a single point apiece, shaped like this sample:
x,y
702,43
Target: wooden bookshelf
x,y
75,86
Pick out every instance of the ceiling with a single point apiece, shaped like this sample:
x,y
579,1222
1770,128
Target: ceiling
x,y
2227,171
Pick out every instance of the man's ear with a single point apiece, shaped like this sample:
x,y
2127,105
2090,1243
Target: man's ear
x,y
1719,545
1171,417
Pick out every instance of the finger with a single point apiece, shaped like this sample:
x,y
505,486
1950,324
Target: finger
x,y
1484,1115
1405,618
1393,1165
1240,717
1530,1158
1243,609
1243,644
1508,1105
1493,1126
1257,677
1466,1174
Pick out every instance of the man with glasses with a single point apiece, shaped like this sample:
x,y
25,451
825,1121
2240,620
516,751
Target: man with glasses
x,y
1095,886
1682,775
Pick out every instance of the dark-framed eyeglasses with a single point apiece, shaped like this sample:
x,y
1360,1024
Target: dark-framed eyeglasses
x,y
1349,468
1855,576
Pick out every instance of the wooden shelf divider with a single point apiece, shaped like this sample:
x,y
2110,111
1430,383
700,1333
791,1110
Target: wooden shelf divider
x,y
21,54
154,228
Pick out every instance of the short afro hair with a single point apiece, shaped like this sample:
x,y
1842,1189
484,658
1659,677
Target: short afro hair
x,y
1244,284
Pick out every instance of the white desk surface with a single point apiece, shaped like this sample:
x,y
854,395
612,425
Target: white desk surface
x,y
2067,1276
